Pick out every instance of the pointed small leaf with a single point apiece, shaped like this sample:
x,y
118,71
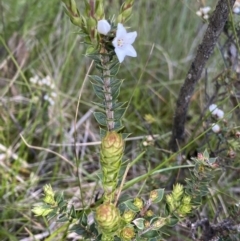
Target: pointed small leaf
x,y
100,118
125,135
102,133
115,88
118,105
72,212
84,219
118,125
98,90
101,106
114,68
118,113
96,78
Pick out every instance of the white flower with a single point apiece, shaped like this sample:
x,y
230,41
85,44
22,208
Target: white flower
x,y
103,27
216,128
123,43
203,12
213,109
219,114
216,112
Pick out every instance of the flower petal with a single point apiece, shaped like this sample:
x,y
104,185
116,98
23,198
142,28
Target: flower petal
x,y
103,27
130,37
130,51
120,54
121,31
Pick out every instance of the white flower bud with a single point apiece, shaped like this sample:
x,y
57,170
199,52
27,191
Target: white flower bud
x,y
213,109
219,114
216,128
103,27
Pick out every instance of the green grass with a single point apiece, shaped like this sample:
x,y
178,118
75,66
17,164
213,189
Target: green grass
x,y
168,35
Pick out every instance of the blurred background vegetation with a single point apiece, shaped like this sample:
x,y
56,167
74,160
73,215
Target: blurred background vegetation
x,y
37,38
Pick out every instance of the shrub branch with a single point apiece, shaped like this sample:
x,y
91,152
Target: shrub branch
x,y
205,50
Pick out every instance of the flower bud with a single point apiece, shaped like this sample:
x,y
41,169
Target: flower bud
x,y
146,224
99,9
41,210
153,195
49,195
160,222
149,213
231,153
108,218
128,216
237,134
103,27
125,11
216,128
138,202
127,233
112,144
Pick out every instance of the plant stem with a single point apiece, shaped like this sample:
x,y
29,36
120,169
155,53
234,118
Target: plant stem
x,y
107,91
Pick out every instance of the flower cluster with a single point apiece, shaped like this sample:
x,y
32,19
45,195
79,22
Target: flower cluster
x,y
217,113
122,42
48,84
203,12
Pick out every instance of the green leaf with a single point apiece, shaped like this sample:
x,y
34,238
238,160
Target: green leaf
x,y
102,133
98,90
118,105
96,78
114,68
52,214
101,106
115,88
59,197
100,118
172,221
139,222
125,135
72,212
62,219
150,234
95,57
118,113
118,125
83,220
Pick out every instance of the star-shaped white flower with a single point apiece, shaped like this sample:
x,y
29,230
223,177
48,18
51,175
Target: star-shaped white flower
x,y
123,43
103,27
